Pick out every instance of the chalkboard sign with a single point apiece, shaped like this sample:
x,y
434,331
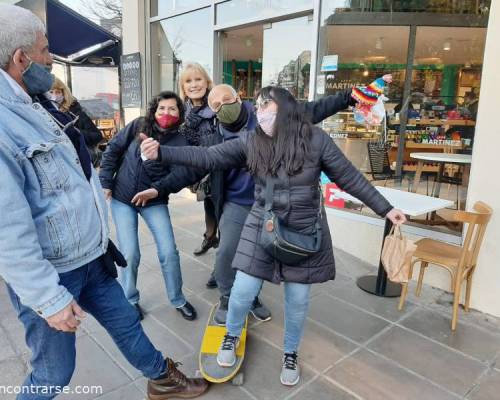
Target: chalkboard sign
x,y
131,87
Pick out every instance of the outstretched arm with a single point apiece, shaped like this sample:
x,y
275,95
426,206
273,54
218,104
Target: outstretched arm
x,y
230,154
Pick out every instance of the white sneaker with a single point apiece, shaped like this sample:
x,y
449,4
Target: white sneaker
x,y
226,356
290,372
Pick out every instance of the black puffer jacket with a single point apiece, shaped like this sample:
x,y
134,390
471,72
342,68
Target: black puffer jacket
x,y
296,201
90,132
124,172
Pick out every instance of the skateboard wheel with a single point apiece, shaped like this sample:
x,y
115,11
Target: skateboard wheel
x,y
238,380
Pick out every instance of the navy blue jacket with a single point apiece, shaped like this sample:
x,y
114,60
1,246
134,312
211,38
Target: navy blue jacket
x,y
124,172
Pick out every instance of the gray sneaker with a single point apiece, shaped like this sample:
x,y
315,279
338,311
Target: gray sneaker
x,y
226,357
221,313
290,372
260,311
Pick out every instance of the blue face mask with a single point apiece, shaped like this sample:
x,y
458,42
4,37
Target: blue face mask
x,y
37,78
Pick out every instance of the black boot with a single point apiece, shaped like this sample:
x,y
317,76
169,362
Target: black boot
x,y
206,245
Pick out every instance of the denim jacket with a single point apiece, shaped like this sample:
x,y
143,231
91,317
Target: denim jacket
x,y
53,220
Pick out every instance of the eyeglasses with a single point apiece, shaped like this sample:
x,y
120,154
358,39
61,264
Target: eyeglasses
x,y
261,104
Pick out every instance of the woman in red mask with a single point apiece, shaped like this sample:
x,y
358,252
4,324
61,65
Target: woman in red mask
x,y
136,187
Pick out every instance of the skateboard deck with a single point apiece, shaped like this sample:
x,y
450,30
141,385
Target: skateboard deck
x,y
210,345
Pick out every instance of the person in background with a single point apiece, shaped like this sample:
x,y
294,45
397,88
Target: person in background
x,y
65,102
194,86
142,188
291,152
55,252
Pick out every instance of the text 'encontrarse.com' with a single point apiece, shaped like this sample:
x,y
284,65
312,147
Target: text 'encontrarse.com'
x,y
55,390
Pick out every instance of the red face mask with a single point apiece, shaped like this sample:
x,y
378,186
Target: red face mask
x,y
166,120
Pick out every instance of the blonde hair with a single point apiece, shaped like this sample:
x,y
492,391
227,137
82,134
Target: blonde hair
x,y
188,70
68,97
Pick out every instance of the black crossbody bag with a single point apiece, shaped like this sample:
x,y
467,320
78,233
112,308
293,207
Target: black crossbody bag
x,y
283,243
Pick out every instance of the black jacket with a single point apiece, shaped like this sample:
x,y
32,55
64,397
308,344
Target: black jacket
x,y
124,172
90,132
209,134
296,201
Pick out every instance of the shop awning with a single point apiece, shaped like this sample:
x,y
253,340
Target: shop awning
x,y
74,37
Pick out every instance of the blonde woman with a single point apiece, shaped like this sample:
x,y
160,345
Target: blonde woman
x,y
65,102
201,125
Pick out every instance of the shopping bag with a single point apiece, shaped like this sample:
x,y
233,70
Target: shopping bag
x,y
396,255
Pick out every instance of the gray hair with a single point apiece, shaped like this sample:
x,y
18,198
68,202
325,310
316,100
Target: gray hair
x,y
18,30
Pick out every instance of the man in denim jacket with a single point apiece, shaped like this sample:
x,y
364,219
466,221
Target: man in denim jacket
x,y
54,247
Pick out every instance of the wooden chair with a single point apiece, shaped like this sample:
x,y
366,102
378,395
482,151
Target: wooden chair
x,y
107,127
459,261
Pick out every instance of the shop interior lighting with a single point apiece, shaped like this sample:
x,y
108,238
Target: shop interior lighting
x,y
447,45
365,72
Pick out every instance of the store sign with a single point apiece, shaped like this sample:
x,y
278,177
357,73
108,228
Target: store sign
x,y
131,82
331,200
330,63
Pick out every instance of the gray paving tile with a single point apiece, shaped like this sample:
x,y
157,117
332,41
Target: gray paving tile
x,y
106,342
95,368
345,319
190,331
14,330
262,369
322,389
6,350
488,388
351,266
386,307
166,341
455,372
128,392
371,377
320,348
152,290
194,275
469,339
12,373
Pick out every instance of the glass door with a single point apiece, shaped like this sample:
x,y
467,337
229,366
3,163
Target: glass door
x,y
286,60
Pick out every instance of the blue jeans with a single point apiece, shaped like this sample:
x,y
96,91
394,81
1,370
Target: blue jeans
x,y
157,219
247,287
53,351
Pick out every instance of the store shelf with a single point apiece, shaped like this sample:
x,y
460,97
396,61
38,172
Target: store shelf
x,y
413,145
426,168
437,122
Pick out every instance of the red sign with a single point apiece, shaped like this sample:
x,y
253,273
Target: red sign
x,y
330,199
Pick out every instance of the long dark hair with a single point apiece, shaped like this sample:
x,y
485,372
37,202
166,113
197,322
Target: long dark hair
x,y
290,144
149,120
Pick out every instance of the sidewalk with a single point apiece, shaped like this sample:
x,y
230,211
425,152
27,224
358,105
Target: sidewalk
x,y
356,346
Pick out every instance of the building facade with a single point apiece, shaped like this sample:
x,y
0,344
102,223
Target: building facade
x,y
441,54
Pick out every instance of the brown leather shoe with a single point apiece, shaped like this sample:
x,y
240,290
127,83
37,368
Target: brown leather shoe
x,y
174,384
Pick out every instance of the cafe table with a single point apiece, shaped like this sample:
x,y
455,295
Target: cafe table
x,y
441,159
409,203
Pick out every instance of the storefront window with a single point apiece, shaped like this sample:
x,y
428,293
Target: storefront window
x,y
234,10
177,41
162,7
482,7
363,53
432,104
288,66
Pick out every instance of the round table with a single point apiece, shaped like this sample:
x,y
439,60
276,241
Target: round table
x,y
441,158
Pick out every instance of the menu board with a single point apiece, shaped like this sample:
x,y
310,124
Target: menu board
x,y
131,82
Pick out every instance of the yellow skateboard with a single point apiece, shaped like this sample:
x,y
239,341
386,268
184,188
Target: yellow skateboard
x,y
210,345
